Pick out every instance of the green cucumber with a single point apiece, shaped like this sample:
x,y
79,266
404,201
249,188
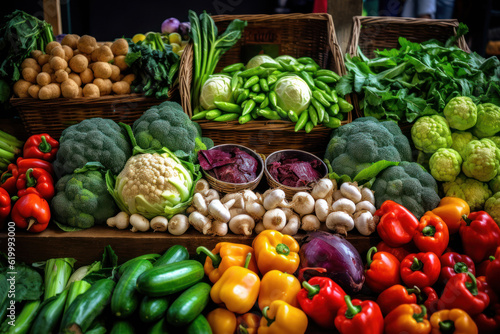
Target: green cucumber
x,y
150,257
122,327
87,306
199,325
49,314
152,308
23,320
189,305
170,278
175,253
159,328
76,288
125,297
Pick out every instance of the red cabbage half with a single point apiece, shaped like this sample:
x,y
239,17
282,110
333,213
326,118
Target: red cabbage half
x,y
231,165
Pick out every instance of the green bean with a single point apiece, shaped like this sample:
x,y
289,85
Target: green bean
x,y
268,113
335,97
311,68
306,61
333,110
327,96
307,78
328,73
233,68
228,107
273,99
322,85
227,117
250,82
326,79
281,112
252,71
271,79
301,123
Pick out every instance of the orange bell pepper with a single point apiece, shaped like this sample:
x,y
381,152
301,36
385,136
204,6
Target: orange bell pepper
x,y
222,321
238,288
274,250
407,318
280,317
276,285
451,210
224,256
454,321
248,323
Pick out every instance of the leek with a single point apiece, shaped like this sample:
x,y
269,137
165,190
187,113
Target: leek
x,y
57,273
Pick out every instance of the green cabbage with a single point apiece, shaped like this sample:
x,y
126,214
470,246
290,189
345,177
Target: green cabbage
x,y
216,88
293,94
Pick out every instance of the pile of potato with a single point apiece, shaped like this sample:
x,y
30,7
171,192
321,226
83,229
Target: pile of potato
x,y
76,67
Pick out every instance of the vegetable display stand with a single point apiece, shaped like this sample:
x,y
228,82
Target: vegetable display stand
x,y
297,35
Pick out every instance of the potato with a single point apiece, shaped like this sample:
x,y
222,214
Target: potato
x,y
86,44
76,78
50,46
36,53
47,68
129,78
70,40
119,47
21,88
104,54
80,92
93,55
61,75
58,51
68,69
87,76
58,63
53,78
91,90
102,70
33,91
108,44
29,74
68,52
43,59
105,86
115,73
120,77
32,63
52,91
120,62
121,87
78,63
69,89
43,79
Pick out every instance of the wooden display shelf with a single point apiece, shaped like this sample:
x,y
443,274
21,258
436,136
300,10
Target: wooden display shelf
x,y
87,245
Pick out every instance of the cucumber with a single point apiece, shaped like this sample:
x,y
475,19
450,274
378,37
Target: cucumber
x,y
199,325
125,297
159,328
87,306
174,254
75,289
189,305
122,327
150,257
23,320
170,278
50,314
152,309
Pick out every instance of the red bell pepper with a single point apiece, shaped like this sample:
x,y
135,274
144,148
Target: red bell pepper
x,y
321,298
396,295
31,212
429,297
421,269
481,268
399,252
5,204
453,263
487,288
24,164
41,146
493,272
382,270
480,236
468,296
397,224
9,178
432,234
360,317
36,181
488,322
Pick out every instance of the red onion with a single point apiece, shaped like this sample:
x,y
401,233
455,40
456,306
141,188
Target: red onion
x,y
170,25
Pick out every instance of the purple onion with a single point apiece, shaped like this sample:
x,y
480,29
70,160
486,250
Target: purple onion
x,y
184,29
331,255
170,25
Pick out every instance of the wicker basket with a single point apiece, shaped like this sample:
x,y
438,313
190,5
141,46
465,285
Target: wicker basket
x,y
372,33
296,35
226,187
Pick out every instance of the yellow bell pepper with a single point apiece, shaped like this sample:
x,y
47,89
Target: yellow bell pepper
x,y
281,317
451,211
274,250
276,285
238,288
222,321
454,321
248,323
224,256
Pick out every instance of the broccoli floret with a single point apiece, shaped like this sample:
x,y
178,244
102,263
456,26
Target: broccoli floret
x,y
92,140
82,200
429,133
445,164
409,185
488,120
492,206
461,113
357,145
460,140
472,191
482,160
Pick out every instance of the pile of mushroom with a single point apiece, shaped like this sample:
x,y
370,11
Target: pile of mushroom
x,y
177,225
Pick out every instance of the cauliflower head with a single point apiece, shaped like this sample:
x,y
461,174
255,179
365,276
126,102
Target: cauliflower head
x,y
492,206
460,140
429,133
482,160
488,120
445,164
494,184
495,139
472,191
461,113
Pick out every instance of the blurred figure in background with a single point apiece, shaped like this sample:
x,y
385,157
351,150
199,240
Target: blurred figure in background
x,y
444,9
425,9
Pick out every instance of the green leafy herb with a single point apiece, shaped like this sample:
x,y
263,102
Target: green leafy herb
x,y
28,282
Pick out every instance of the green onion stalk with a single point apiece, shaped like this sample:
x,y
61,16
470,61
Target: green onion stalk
x,y
57,274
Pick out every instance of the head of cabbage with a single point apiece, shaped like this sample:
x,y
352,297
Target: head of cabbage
x,y
293,94
259,60
216,88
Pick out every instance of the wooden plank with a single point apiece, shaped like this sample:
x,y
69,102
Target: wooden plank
x,y
52,14
342,12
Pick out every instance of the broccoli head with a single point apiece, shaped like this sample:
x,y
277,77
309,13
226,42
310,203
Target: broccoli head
x,y
460,140
472,191
92,140
482,160
357,145
461,113
492,206
429,133
488,120
82,200
445,164
409,185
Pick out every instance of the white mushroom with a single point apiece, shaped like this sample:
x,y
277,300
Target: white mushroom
x,y
201,187
365,222
200,222
139,223
339,222
345,205
367,195
351,191
178,224
366,205
211,195
292,225
219,211
323,188
273,199
200,204
159,224
321,209
303,203
274,219
120,221
219,228
242,224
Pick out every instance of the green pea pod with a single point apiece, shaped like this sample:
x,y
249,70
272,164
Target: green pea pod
x,y
264,103
293,116
236,93
281,112
307,78
325,78
287,67
333,123
311,68
313,116
273,99
228,107
254,114
319,109
252,95
322,85
328,73
256,88
213,114
263,85
200,115
235,80
309,127
301,123
249,106
272,79
335,97
307,61
272,65
243,96
268,113
320,98
252,81
260,98
253,71
333,110
344,106
340,116
326,118
327,96
227,117
298,67
233,68
245,119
